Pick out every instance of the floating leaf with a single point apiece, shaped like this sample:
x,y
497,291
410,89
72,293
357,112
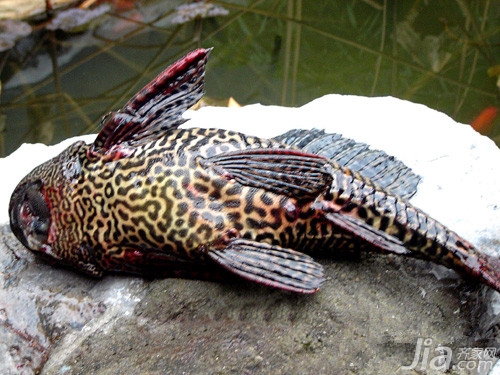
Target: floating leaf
x,y
11,31
73,18
188,12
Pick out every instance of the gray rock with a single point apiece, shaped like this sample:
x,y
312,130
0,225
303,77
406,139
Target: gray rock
x,y
365,320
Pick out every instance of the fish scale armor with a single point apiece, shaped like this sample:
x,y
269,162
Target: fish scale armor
x,y
162,200
146,194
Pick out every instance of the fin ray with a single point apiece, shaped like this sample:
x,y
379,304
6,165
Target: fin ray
x,y
385,170
270,265
158,107
376,237
282,171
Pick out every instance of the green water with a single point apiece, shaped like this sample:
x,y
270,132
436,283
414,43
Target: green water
x,y
274,52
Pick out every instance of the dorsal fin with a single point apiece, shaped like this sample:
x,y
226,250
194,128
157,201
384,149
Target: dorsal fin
x,y
384,170
158,107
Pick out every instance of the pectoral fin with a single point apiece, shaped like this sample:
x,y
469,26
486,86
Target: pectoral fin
x,y
376,237
158,107
283,171
270,265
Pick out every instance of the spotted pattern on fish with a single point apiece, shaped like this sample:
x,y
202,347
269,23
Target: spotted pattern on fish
x,y
147,194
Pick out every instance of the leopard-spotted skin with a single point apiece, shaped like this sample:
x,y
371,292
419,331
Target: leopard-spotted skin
x,y
146,194
107,214
110,215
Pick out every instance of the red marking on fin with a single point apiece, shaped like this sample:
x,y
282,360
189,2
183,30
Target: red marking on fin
x,y
116,152
485,268
158,107
184,69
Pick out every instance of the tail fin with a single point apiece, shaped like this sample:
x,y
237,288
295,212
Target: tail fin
x,y
464,258
486,268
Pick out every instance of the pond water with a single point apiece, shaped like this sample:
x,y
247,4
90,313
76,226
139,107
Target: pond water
x,y
58,83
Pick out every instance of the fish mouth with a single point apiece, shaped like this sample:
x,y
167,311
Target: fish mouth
x,y
30,215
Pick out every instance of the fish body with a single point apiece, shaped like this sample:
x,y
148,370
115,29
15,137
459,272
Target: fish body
x,y
147,195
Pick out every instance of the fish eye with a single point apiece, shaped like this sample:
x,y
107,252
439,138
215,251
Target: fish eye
x,y
72,168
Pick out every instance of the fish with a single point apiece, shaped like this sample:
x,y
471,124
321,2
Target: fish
x,y
150,197
483,123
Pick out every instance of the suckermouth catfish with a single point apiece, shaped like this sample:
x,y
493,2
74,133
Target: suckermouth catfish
x,y
149,197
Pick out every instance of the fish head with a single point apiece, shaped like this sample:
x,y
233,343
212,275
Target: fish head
x,y
41,204
52,206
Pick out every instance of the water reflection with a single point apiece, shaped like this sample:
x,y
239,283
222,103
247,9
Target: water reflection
x,y
58,83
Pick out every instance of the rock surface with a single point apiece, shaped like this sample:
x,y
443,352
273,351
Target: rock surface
x,y
366,319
